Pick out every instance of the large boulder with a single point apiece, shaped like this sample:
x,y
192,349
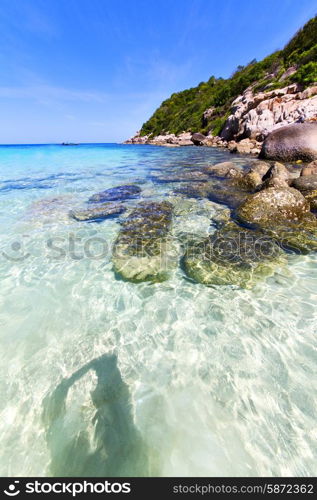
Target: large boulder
x,y
293,142
144,249
232,256
273,205
198,138
124,192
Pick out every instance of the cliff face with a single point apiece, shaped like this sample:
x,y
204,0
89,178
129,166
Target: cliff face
x,y
255,115
258,98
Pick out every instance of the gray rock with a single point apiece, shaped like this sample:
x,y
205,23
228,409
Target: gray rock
x,y
259,167
223,169
293,142
305,183
272,205
125,192
198,139
98,212
224,191
277,170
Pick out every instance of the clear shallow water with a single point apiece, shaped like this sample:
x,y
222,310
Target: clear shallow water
x,y
207,381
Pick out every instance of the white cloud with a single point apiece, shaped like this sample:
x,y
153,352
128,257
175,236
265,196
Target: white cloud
x,y
44,92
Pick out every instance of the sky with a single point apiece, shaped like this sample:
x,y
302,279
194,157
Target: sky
x,y
95,70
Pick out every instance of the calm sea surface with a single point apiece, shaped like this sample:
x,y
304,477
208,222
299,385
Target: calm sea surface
x,y
101,376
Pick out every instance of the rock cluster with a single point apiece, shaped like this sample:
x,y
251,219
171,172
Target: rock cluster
x,y
256,115
184,139
269,213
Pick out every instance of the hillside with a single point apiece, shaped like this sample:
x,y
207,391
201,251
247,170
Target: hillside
x,y
205,108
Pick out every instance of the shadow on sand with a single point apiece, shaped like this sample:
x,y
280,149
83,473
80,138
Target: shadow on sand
x,y
116,448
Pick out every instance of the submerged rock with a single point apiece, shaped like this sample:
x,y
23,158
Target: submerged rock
x,y
224,191
98,212
223,169
125,192
47,211
293,142
312,199
183,176
144,249
272,205
300,237
232,256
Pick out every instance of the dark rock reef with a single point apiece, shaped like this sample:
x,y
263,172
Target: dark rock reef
x,y
232,256
144,249
117,193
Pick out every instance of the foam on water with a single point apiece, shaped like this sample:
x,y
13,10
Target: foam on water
x,y
221,381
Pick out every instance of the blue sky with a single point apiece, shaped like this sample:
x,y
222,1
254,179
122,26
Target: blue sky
x,y
95,70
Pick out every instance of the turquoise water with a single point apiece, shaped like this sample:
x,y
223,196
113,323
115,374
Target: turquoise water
x,y
206,380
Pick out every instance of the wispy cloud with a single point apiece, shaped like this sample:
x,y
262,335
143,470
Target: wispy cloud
x,y
27,16
41,92
51,93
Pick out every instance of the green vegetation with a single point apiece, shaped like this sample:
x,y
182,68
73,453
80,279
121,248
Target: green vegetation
x,y
306,74
183,111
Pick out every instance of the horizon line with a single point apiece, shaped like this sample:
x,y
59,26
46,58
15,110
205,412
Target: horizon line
x,y
55,143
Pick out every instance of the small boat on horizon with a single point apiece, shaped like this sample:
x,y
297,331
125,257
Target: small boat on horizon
x,y
70,144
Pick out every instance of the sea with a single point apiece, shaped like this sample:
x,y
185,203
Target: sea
x,y
101,376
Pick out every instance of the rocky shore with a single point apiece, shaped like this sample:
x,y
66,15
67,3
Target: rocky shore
x,y
265,207
258,213
254,118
